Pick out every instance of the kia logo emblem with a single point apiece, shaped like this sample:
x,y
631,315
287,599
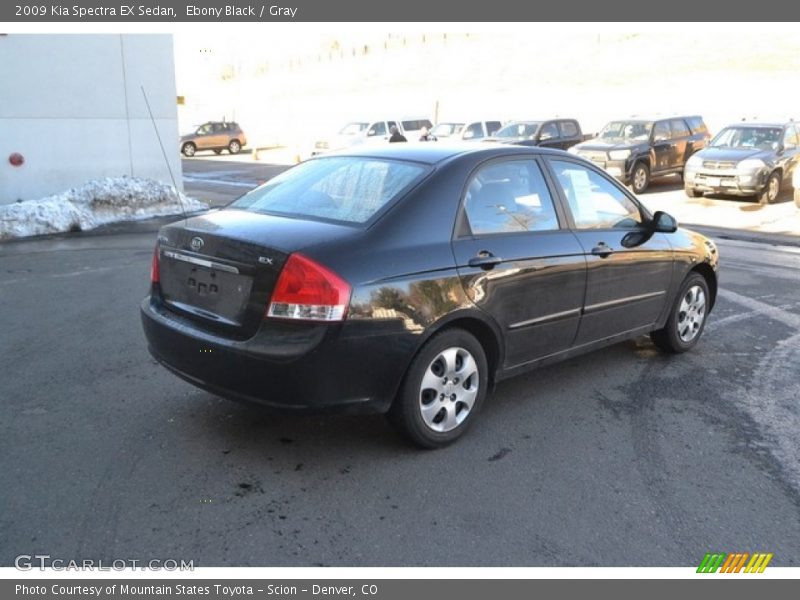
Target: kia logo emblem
x,y
196,243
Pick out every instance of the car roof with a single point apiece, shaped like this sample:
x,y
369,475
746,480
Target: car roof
x,y
765,125
437,152
648,118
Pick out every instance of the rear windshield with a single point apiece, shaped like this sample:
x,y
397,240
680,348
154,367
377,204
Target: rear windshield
x,y
348,188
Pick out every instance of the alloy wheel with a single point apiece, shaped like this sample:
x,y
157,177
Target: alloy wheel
x,y
691,313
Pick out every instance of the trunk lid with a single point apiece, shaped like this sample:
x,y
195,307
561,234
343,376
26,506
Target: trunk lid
x,y
220,269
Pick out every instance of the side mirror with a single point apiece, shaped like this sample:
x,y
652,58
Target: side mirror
x,y
664,223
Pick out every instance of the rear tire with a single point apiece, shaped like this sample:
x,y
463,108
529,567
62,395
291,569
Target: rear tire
x,y
188,149
640,178
772,190
234,147
687,318
443,390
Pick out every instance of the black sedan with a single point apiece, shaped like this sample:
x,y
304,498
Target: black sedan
x,y
410,280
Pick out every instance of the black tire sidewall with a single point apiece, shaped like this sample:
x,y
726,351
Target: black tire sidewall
x,y
235,143
187,146
405,413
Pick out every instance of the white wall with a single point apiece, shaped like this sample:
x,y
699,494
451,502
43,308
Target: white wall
x,y
72,105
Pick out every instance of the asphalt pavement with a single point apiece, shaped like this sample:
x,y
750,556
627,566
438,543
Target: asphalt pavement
x,y
621,457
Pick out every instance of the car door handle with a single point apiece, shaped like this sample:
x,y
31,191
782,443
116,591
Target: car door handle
x,y
602,250
485,260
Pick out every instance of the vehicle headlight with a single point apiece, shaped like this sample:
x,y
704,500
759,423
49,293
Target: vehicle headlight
x,y
619,154
694,162
751,164
573,150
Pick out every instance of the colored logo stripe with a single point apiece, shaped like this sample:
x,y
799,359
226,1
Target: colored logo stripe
x,y
734,562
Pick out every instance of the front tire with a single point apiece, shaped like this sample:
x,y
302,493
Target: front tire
x,y
640,179
443,390
692,193
772,190
687,318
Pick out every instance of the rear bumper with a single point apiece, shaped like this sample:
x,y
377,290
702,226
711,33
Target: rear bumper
x,y
285,366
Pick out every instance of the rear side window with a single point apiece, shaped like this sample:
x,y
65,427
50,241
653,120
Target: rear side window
x,y
568,128
349,189
790,138
679,128
509,197
697,125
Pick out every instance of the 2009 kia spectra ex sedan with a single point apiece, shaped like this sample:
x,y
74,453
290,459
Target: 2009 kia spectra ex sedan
x,y
409,280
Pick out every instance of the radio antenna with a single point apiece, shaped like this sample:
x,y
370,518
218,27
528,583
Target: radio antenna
x,y
164,154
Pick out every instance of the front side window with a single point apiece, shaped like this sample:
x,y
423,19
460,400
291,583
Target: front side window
x,y
790,139
509,197
349,189
594,201
493,127
549,132
661,131
475,130
377,129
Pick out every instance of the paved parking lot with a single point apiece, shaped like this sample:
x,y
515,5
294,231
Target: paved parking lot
x,y
621,457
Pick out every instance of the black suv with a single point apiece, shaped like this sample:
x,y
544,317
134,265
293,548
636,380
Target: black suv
x,y
560,134
637,150
746,159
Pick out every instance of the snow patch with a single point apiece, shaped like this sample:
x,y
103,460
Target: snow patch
x,y
95,203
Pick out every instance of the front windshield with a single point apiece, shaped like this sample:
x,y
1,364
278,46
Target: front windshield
x,y
347,188
353,128
627,130
764,138
443,130
519,130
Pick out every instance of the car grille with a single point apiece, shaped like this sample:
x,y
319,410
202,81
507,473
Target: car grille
x,y
719,164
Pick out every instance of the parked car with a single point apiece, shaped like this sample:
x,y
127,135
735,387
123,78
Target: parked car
x,y
553,133
216,136
410,278
746,159
465,130
371,132
635,151
796,182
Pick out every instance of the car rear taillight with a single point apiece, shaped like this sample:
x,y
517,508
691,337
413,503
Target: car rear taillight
x,y
308,291
154,274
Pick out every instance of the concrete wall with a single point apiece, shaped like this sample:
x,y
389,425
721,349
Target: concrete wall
x,y
72,105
